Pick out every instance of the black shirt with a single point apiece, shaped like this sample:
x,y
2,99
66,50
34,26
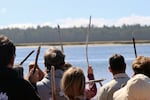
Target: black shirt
x,y
16,88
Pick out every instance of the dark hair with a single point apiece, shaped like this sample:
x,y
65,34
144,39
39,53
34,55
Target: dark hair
x,y
117,62
7,50
54,57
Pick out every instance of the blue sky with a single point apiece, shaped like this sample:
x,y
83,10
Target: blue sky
x,y
68,13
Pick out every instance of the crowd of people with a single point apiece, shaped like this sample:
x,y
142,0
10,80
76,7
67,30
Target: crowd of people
x,y
70,81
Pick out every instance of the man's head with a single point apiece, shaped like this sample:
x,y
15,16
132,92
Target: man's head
x,y
141,65
7,52
54,57
117,64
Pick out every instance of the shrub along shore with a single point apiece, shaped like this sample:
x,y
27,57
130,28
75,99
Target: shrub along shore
x,y
83,43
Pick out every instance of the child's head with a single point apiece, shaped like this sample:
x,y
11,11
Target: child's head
x,y
73,83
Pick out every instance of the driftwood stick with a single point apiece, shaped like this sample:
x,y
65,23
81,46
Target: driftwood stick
x,y
60,39
53,83
134,46
36,59
95,81
26,57
87,39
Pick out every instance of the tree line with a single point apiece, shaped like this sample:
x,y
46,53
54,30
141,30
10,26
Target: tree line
x,y
48,34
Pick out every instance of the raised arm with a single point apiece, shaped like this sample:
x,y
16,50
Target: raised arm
x,y
92,90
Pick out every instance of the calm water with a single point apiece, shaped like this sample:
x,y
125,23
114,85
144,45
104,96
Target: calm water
x,y
98,57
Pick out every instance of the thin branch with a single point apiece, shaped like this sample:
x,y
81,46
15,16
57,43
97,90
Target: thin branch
x,y
60,39
95,81
87,39
134,46
53,83
26,57
36,59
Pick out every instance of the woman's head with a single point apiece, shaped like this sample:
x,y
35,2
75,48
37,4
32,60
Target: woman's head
x,y
73,83
141,65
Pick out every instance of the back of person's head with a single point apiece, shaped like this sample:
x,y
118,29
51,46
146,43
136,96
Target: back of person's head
x,y
66,66
73,83
54,57
117,62
7,51
141,65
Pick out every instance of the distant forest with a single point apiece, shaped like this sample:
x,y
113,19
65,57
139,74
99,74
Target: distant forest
x,y
48,34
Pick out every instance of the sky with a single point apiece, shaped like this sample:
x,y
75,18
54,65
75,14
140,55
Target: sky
x,y
70,13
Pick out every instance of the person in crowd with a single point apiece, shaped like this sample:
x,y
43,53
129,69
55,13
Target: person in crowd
x,y
66,66
138,87
41,73
11,86
73,84
52,57
55,57
117,67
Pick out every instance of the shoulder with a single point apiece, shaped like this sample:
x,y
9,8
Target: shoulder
x,y
120,94
139,82
109,85
106,87
102,93
138,79
25,85
59,72
3,96
23,81
45,80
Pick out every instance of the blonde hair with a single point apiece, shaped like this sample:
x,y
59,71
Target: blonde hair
x,y
141,65
73,83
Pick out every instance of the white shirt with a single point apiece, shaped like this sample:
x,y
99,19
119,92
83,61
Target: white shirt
x,y
44,86
106,92
137,88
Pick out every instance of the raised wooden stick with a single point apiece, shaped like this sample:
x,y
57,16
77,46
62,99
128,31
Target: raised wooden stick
x,y
26,57
53,83
87,39
60,39
95,81
36,59
134,46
